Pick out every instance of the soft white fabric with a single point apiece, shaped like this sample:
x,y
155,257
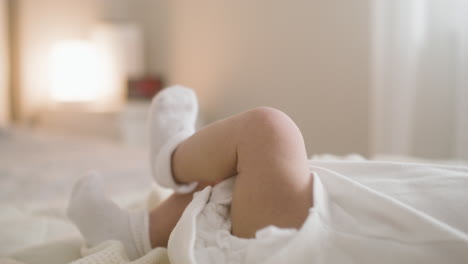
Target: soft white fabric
x,y
395,213
53,252
171,120
100,219
42,234
109,252
40,168
364,212
28,226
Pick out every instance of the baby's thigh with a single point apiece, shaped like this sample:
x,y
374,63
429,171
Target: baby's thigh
x,y
260,201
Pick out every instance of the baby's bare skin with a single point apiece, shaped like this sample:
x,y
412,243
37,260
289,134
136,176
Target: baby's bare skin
x,y
266,151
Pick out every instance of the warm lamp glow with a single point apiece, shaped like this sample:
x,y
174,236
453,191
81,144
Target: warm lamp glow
x,y
77,71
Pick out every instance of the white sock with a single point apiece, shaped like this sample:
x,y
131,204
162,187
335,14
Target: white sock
x,y
172,119
100,219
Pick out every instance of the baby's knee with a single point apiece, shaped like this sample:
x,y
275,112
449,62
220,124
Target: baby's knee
x,y
270,122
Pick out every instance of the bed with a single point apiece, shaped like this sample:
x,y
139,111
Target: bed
x,y
37,172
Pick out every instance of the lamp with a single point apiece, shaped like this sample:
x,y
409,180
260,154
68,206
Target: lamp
x,y
94,72
77,72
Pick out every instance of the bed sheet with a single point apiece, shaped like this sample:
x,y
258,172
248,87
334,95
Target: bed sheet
x,y
38,170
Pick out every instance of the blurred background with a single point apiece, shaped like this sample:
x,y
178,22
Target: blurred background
x,y
368,77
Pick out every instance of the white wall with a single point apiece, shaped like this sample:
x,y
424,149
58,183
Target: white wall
x,y
153,17
4,62
307,58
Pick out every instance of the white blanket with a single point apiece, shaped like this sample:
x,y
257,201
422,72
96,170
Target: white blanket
x,y
364,212
108,252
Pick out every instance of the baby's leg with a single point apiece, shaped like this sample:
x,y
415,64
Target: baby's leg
x,y
166,215
265,149
262,146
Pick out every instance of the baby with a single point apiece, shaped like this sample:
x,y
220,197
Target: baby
x,y
262,147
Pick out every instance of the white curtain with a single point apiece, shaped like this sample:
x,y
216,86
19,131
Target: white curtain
x,y
420,78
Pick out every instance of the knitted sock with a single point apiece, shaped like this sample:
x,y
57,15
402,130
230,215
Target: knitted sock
x,y
100,219
172,119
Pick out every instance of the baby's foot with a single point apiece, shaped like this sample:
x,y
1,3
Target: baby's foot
x,y
172,119
99,219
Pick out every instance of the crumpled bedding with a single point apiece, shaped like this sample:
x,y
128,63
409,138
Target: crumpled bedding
x,y
41,233
364,212
108,252
37,172
28,227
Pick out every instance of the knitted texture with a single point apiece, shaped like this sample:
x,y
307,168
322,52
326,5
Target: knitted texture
x,y
171,120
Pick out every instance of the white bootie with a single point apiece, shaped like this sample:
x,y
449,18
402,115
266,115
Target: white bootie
x,y
99,219
172,119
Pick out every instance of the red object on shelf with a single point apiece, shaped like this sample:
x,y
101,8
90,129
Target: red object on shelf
x,y
144,88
